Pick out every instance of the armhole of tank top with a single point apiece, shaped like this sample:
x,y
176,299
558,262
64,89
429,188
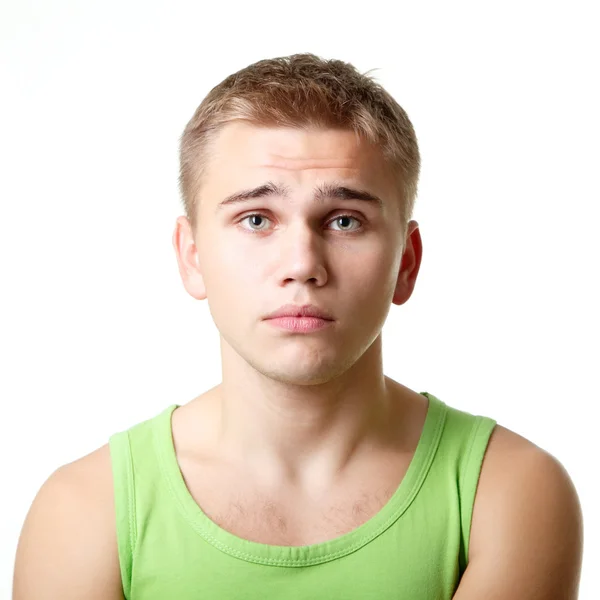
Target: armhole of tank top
x,y
476,448
124,496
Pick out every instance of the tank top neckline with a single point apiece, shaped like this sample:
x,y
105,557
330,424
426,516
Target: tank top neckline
x,y
298,555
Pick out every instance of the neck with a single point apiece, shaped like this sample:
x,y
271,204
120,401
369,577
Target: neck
x,y
302,434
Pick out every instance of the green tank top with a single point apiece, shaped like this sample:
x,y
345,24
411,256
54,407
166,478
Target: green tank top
x,y
415,547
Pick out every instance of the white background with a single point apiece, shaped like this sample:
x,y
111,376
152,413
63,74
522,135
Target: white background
x,y
96,330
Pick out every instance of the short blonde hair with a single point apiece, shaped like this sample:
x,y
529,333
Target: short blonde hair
x,y
302,91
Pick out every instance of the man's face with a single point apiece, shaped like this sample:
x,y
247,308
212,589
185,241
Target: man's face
x,y
342,255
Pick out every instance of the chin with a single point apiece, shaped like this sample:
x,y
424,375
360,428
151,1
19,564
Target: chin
x,y
296,373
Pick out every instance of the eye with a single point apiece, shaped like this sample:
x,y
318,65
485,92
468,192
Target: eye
x,y
253,217
345,217
259,216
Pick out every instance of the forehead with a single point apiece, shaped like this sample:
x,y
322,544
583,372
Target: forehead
x,y
242,150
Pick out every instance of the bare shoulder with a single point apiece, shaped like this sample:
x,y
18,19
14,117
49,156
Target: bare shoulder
x,y
93,470
527,527
515,470
68,546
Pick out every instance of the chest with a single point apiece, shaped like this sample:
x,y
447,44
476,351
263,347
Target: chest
x,y
284,517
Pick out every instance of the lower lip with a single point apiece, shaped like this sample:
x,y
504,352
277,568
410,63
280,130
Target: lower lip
x,y
300,324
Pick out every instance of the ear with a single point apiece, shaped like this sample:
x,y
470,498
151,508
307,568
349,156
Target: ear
x,y
188,259
409,265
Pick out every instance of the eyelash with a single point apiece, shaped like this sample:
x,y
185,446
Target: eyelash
x,y
257,214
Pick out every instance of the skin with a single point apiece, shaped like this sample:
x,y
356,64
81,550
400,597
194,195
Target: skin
x,y
299,409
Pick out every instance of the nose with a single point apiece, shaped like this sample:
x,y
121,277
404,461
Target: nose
x,y
301,256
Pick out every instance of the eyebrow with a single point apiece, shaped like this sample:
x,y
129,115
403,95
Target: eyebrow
x,y
323,191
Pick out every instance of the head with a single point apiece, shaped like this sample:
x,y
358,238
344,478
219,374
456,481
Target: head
x,y
303,92
308,134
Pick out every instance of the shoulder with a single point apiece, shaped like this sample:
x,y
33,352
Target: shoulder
x,y
527,525
93,469
88,480
68,540
514,464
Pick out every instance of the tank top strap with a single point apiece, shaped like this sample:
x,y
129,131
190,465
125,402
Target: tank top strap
x,y
124,498
462,449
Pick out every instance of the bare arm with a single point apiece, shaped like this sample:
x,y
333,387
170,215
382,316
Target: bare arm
x,y
529,530
67,548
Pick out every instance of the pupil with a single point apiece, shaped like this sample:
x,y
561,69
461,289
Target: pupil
x,y
253,218
344,219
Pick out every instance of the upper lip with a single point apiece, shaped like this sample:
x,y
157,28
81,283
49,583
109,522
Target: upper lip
x,y
295,310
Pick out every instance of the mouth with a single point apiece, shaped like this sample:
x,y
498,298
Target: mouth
x,y
300,324
297,311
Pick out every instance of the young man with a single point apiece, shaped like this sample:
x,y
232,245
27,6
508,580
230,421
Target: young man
x,y
306,473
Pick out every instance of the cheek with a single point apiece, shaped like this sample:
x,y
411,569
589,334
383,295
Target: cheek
x,y
373,278
370,264
236,266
